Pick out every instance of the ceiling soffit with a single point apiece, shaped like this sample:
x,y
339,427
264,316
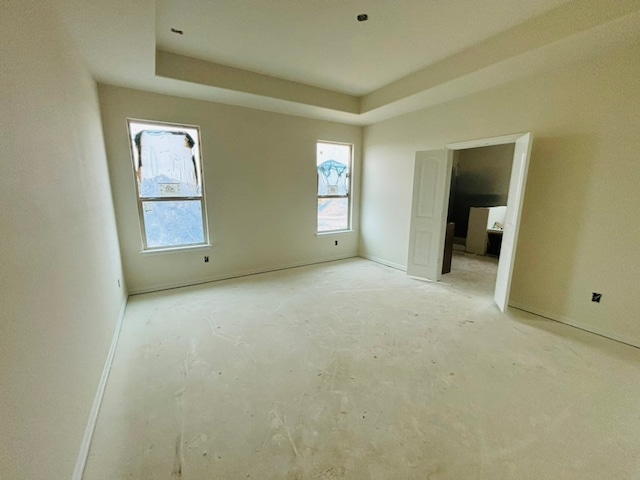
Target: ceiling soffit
x,y
538,34
118,44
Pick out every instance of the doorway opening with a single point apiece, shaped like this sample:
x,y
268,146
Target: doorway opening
x,y
430,208
477,208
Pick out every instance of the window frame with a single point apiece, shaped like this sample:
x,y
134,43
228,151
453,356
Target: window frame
x,y
140,200
348,228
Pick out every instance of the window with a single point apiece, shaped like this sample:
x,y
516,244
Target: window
x,y
168,173
333,161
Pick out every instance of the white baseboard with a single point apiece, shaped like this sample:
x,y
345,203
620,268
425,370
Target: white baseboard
x,y
245,273
573,323
97,401
397,266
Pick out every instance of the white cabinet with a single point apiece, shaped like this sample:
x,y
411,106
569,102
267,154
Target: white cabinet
x,y
482,219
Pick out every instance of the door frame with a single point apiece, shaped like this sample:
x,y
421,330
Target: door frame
x,y
506,271
486,142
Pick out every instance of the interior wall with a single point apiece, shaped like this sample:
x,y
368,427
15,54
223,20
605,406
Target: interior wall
x,y
260,189
481,180
59,250
580,221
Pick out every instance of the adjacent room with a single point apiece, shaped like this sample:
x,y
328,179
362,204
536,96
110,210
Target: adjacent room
x,y
478,197
226,224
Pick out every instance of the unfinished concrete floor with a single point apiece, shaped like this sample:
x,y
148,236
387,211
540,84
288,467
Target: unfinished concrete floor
x,y
352,370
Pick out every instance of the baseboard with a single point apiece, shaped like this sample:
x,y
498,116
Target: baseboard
x,y
245,273
97,401
572,323
397,266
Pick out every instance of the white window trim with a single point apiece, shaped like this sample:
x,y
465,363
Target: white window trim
x,y
205,221
335,232
349,228
182,248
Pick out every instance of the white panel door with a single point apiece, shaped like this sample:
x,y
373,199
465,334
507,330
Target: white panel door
x,y
512,222
431,182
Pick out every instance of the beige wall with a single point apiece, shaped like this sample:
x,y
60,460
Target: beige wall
x,y
485,170
59,251
260,186
480,178
581,221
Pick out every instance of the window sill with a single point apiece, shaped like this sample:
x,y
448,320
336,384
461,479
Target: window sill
x,y
334,232
186,248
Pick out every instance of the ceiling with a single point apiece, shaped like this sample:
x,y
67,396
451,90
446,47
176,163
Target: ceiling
x,y
313,58
321,43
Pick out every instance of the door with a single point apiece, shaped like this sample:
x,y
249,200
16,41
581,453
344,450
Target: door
x,y
515,199
431,179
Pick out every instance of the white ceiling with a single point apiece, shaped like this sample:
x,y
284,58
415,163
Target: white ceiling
x,y
320,42
313,58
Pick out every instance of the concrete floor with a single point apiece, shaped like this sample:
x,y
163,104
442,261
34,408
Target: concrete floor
x,y
353,370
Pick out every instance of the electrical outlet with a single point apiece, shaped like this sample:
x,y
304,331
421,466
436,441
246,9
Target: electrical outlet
x,y
596,297
206,259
